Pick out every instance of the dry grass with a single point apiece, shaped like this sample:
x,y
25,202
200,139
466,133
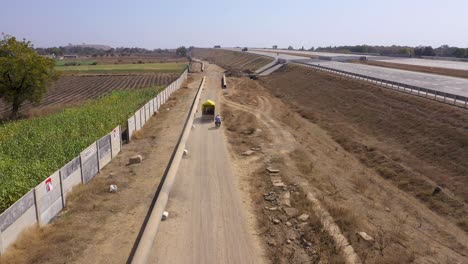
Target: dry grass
x,y
241,128
416,143
137,135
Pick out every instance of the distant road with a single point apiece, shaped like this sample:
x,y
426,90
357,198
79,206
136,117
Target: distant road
x,y
457,65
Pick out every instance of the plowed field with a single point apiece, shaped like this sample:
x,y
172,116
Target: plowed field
x,y
233,60
72,89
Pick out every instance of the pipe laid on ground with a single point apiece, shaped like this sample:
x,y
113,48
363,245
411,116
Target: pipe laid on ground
x,y
148,236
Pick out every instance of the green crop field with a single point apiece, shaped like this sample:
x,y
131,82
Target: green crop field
x,y
81,62
124,68
31,150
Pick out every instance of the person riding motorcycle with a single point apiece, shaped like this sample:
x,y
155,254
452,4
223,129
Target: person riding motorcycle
x,y
218,120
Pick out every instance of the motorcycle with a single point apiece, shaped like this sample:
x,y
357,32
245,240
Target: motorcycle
x,y
217,123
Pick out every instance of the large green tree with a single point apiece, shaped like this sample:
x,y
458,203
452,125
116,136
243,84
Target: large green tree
x,y
181,51
24,75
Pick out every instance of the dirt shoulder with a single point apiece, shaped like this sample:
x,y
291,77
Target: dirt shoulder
x,y
417,68
101,227
264,117
416,143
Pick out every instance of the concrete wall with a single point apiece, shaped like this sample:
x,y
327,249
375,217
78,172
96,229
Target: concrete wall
x,y
151,103
15,219
104,150
147,111
131,126
49,198
137,120
159,101
142,116
89,163
71,176
116,142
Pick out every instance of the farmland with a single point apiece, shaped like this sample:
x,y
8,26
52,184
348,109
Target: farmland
x,y
123,68
72,130
80,62
74,89
233,60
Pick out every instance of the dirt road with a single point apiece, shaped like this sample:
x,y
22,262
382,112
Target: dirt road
x,y
207,221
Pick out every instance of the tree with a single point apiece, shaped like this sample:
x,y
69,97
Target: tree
x,y
24,75
460,53
428,51
181,51
290,48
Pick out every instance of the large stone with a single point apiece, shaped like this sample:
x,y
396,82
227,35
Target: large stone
x,y
270,197
165,215
437,190
248,153
291,212
277,182
113,188
365,236
271,170
303,217
135,159
285,199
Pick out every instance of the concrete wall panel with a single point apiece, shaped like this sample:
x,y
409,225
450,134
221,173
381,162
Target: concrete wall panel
x,y
131,126
16,219
71,176
104,148
158,102
142,116
49,198
137,120
89,163
151,103
116,143
147,111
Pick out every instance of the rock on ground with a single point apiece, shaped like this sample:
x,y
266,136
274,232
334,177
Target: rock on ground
x,y
135,159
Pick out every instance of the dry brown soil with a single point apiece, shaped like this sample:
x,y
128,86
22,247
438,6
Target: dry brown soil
x,y
233,61
433,70
416,143
101,227
275,116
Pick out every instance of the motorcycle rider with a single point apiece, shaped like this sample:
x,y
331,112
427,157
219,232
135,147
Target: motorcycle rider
x,y
218,120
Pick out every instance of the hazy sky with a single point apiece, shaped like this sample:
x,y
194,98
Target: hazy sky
x,y
255,23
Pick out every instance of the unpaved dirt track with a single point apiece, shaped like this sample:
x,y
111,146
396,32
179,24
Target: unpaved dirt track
x,y
207,220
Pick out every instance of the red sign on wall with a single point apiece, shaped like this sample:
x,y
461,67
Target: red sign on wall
x,y
48,184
